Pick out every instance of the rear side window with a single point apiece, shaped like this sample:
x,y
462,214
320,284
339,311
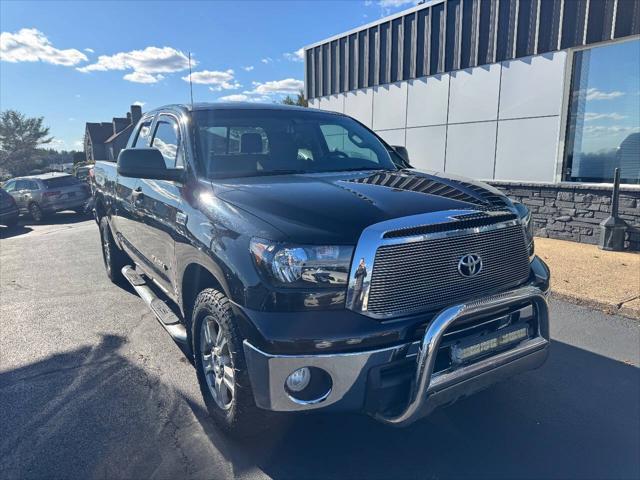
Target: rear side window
x,y
167,140
58,182
143,135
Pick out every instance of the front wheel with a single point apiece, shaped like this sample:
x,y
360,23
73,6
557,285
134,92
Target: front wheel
x,y
114,259
221,366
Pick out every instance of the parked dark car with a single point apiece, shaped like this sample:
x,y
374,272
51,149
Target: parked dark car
x,y
305,265
40,195
8,209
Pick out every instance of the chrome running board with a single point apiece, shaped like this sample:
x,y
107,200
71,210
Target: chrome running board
x,y
160,309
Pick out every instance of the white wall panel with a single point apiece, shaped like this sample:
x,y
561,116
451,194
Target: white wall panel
x,y
314,103
471,149
426,147
527,149
474,94
428,101
390,106
393,137
532,86
333,103
359,105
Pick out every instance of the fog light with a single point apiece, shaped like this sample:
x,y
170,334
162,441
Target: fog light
x,y
299,379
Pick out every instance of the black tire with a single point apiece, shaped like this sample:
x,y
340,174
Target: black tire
x,y
242,417
114,258
36,212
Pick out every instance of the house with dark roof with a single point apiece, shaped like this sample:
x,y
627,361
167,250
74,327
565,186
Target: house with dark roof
x,y
104,140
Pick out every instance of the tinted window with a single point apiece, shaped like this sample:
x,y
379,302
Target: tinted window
x,y
167,140
32,185
21,185
604,114
258,142
58,182
10,186
143,135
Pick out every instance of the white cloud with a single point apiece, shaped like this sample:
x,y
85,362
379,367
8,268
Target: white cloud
x,y
90,50
597,130
248,68
78,145
146,65
591,116
139,103
237,97
267,60
285,86
141,77
595,94
297,56
31,45
219,80
246,97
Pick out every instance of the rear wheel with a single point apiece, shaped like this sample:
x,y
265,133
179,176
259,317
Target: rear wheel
x,y
221,366
36,212
114,258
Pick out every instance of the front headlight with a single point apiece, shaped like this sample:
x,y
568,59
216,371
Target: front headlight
x,y
525,217
302,265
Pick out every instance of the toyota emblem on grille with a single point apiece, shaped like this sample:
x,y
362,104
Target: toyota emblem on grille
x,y
470,265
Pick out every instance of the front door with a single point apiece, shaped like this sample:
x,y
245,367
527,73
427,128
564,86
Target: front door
x,y
160,205
127,213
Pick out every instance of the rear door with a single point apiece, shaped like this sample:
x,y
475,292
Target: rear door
x,y
127,212
160,203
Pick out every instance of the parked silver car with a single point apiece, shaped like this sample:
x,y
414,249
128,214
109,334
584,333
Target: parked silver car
x,y
39,195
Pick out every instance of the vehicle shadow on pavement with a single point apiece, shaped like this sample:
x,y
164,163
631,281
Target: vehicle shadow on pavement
x,y
91,412
26,223
14,231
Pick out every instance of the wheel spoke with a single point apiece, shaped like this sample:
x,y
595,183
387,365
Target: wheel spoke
x,y
207,332
228,379
222,343
219,337
207,363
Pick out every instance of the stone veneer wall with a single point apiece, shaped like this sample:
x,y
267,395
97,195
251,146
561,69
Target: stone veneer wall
x,y
574,212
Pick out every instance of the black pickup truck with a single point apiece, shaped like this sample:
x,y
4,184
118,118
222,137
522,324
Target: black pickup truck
x,y
305,265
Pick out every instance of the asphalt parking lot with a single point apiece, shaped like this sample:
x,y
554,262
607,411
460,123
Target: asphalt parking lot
x,y
92,387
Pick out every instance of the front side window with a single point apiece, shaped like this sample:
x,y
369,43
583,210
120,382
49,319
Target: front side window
x,y
10,186
603,131
143,136
247,142
167,140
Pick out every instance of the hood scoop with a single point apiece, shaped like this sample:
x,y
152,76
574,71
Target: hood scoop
x,y
452,189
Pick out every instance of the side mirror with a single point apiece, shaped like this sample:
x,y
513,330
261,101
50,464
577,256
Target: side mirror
x,y
402,151
146,163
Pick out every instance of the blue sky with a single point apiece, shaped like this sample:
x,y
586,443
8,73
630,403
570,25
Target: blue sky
x,y
73,62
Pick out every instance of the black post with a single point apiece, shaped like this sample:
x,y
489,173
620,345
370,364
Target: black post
x,y
613,229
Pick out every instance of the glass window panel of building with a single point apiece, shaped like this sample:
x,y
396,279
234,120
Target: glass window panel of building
x,y
604,114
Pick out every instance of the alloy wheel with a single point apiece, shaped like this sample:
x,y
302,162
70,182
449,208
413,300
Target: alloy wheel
x,y
217,363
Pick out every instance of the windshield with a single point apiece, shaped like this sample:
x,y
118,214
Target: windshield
x,y
245,142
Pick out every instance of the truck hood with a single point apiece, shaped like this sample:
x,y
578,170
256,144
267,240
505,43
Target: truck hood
x,y
321,208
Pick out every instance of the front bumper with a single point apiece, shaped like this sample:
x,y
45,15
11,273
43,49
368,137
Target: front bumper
x,y
353,373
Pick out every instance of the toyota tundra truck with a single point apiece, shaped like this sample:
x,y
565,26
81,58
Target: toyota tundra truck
x,y
305,265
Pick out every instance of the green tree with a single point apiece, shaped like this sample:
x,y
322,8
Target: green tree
x,y
20,138
299,100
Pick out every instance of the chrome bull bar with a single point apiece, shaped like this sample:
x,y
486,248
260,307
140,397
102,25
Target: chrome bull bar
x,y
426,386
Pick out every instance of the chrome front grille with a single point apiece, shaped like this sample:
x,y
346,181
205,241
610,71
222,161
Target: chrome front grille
x,y
415,276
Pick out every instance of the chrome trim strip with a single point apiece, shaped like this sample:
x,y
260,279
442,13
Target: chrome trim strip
x,y
348,371
372,238
423,387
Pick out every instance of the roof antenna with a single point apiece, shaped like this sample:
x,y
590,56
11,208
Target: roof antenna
x,y
190,82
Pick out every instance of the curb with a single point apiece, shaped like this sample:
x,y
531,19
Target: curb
x,y
608,308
